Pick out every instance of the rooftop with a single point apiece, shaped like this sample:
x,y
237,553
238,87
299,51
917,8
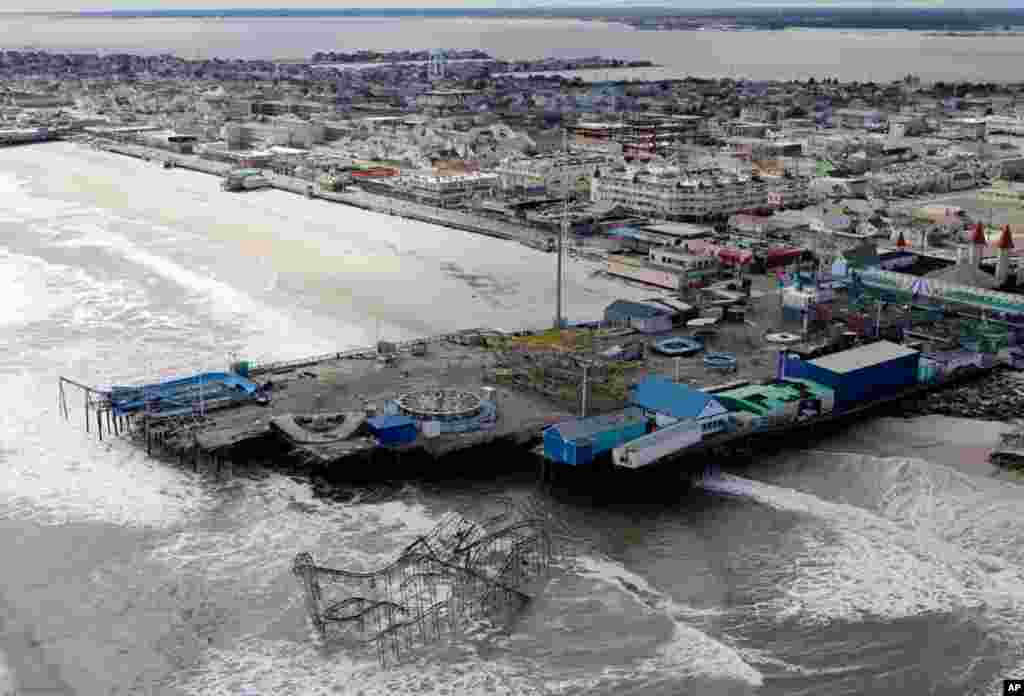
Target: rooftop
x,y
677,400
586,427
864,356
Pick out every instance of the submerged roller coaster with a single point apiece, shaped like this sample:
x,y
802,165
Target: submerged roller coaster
x,y
461,571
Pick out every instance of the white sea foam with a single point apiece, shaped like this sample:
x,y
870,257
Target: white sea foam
x,y
857,564
27,294
690,652
268,331
276,518
8,687
226,300
254,667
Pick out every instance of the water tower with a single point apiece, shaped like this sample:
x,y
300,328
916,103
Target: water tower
x,y
438,62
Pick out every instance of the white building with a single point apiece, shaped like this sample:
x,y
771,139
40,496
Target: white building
x,y
1008,125
450,190
965,129
549,174
670,193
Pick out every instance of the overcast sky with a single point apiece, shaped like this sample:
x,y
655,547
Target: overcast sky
x,y
77,5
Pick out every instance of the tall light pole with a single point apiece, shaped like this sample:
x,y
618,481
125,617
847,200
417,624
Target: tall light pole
x,y
561,234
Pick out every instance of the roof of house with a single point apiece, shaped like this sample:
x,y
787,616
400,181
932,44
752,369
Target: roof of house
x,y
664,396
638,310
572,430
863,356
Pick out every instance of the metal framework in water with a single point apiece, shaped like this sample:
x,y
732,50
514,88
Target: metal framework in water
x,y
461,571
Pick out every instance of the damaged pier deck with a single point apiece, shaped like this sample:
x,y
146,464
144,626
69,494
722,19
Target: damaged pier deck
x,y
306,404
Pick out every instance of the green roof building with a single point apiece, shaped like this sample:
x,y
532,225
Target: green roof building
x,y
779,400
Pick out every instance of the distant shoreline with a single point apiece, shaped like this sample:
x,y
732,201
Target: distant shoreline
x,y
975,34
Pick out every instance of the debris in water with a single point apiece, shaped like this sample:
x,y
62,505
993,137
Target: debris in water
x,y
461,571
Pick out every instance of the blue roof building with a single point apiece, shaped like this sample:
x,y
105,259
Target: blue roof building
x,y
579,440
393,430
658,395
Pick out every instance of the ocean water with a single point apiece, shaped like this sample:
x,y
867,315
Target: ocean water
x,y
763,55
818,571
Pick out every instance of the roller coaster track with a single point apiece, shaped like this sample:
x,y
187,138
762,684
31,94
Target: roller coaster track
x,y
461,570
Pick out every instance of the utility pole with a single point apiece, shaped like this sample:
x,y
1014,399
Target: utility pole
x,y
583,404
559,321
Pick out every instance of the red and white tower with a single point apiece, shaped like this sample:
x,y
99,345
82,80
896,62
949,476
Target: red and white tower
x,y
978,244
1003,266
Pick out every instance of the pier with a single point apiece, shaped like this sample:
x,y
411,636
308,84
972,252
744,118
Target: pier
x,y
356,383
469,402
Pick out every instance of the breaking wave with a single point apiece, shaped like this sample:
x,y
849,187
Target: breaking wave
x,y
919,539
689,652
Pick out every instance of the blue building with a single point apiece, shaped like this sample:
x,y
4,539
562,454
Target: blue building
x,y
579,441
393,430
668,401
866,373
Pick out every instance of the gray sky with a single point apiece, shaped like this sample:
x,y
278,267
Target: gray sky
x,y
77,5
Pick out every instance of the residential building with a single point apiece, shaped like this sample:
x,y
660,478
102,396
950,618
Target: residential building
x,y
641,138
448,191
671,193
696,270
551,174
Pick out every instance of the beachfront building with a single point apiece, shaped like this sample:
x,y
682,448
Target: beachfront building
x,y
1003,193
288,132
1005,125
964,129
442,101
697,270
169,140
672,193
542,175
448,191
640,137
634,267
935,175
17,136
860,118
246,159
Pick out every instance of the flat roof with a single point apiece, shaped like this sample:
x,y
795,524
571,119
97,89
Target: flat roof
x,y
679,229
863,356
